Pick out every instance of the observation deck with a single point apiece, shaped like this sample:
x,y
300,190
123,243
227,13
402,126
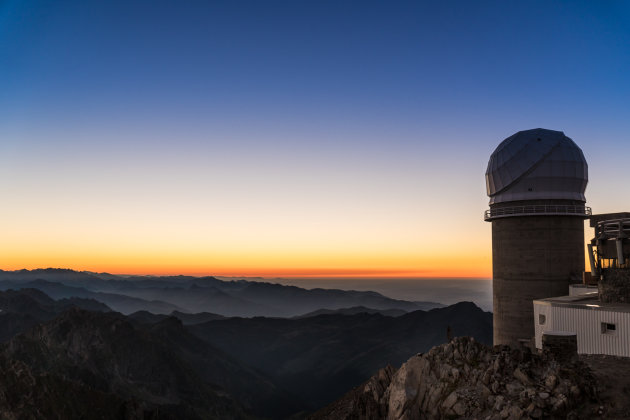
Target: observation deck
x,y
538,210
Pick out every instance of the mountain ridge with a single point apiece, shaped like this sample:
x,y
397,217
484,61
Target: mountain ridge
x,y
166,294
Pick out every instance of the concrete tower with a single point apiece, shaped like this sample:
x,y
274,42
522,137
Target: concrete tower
x,y
536,181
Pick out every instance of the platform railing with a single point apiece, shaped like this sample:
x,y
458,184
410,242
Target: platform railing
x,y
609,229
538,210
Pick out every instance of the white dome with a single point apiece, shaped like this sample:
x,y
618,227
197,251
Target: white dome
x,y
536,164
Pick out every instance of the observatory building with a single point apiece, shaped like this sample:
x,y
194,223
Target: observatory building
x,y
536,181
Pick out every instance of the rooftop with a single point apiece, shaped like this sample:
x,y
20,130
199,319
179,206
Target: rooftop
x,y
588,301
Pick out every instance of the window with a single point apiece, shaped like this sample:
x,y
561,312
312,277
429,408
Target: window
x,y
542,319
608,328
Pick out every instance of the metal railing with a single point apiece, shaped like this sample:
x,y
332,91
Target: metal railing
x,y
613,229
538,210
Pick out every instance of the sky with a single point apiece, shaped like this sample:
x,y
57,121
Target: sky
x,y
298,138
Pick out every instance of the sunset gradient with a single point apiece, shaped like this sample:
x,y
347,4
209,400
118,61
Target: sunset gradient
x,y
290,138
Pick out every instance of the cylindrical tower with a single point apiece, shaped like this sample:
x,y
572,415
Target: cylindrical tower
x,y
536,181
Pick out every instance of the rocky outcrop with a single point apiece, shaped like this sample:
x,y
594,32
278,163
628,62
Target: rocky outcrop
x,y
465,379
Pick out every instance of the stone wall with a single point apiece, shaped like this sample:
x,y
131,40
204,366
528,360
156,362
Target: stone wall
x,y
562,346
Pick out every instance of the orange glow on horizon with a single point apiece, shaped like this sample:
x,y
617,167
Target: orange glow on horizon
x,y
230,260
472,271
150,237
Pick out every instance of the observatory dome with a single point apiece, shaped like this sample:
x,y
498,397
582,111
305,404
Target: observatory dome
x,y
536,164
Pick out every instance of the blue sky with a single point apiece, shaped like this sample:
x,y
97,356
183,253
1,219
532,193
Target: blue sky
x,y
312,111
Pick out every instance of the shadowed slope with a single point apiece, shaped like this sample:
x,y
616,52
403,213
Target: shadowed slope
x,y
105,352
321,357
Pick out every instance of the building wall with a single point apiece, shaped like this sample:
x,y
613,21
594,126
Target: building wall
x,y
533,257
587,324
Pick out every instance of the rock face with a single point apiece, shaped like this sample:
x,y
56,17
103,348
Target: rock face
x,y
465,379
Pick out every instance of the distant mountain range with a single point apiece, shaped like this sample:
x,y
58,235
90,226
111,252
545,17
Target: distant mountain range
x,y
354,311
145,317
163,295
116,301
76,358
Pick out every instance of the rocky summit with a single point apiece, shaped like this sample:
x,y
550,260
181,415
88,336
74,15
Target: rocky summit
x,y
466,379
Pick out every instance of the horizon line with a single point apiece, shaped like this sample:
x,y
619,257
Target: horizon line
x,y
314,275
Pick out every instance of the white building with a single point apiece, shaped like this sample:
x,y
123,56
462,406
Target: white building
x,y
598,312
601,328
